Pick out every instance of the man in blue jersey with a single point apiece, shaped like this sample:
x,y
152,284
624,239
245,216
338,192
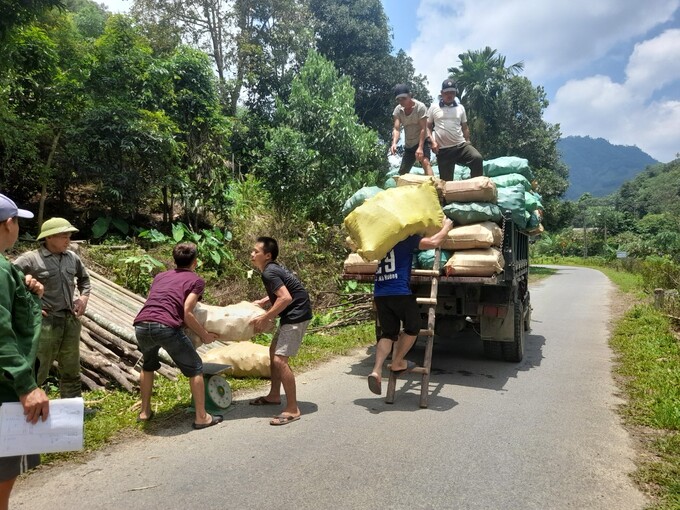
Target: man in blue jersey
x,y
396,304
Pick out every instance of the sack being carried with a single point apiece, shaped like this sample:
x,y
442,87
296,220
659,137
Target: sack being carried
x,y
231,323
381,222
246,359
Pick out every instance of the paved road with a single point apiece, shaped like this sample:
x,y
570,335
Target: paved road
x,y
540,434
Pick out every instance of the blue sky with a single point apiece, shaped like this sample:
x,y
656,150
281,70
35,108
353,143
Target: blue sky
x,y
610,68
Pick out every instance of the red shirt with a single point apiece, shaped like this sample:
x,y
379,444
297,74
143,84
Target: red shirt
x,y
167,295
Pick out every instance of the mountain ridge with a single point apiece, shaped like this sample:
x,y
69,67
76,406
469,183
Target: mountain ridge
x,y
599,167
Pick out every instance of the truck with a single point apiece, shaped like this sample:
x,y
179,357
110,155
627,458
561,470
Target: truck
x,y
497,307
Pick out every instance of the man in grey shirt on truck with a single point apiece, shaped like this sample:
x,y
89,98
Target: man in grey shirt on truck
x,y
60,270
410,114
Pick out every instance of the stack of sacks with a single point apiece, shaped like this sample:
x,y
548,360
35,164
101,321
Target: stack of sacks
x,y
476,250
512,177
393,215
476,240
246,359
230,323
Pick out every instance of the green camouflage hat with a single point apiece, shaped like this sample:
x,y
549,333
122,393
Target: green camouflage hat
x,y
55,226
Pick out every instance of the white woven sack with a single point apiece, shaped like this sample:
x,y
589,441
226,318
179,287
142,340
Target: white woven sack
x,y
246,358
231,323
356,264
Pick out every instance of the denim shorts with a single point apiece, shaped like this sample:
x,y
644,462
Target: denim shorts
x,y
151,336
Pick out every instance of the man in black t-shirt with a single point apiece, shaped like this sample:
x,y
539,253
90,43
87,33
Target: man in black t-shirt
x,y
289,300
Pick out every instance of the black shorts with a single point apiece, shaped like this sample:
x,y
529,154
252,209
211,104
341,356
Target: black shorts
x,y
395,310
11,467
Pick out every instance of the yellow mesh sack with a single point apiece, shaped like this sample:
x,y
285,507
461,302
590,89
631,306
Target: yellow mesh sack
x,y
392,216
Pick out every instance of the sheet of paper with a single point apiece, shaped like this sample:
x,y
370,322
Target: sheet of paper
x,y
61,432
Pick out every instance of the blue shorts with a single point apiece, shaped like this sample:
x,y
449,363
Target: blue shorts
x,y
151,336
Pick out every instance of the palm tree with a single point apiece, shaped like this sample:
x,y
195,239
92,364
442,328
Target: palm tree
x,y
480,79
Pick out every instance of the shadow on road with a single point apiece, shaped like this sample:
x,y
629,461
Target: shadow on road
x,y
458,362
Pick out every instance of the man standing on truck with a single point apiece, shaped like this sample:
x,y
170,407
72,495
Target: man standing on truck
x,y
447,122
396,305
412,115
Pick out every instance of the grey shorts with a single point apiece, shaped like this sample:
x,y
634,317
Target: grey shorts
x,y
11,467
288,338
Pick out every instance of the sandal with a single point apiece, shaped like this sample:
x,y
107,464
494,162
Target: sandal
x,y
214,420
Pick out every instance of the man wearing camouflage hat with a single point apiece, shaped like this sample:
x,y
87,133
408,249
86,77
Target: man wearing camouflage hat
x,y
450,137
60,270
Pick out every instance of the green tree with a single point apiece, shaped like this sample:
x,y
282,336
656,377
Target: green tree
x,y
355,36
15,13
322,154
481,78
125,142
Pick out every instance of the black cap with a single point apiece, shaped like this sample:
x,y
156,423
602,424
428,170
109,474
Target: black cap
x,y
401,89
449,86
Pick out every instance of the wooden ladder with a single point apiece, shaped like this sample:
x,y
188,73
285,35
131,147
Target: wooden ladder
x,y
429,332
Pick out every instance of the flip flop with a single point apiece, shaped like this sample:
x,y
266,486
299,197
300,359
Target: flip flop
x,y
283,419
261,401
410,365
144,420
374,384
214,420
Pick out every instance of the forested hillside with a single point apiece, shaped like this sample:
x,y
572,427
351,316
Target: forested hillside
x,y
599,167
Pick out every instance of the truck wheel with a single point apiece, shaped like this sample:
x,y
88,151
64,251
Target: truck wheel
x,y
492,349
527,315
514,351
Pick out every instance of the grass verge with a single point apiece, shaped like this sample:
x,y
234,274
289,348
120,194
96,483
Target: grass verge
x,y
649,366
117,410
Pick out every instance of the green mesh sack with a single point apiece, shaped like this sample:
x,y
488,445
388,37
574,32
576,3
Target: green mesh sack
x,y
426,259
390,183
460,173
503,181
508,165
511,198
532,201
359,198
534,220
466,213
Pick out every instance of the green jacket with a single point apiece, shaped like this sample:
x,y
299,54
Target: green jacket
x,y
20,320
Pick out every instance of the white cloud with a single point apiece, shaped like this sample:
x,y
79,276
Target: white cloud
x,y
557,40
654,63
622,112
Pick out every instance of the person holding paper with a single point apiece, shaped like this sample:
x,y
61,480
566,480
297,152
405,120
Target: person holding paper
x,y
20,319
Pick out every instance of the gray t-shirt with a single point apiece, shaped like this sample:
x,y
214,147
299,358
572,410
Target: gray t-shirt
x,y
411,123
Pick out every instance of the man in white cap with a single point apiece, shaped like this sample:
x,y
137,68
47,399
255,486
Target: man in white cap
x,y
19,331
410,114
447,122
60,270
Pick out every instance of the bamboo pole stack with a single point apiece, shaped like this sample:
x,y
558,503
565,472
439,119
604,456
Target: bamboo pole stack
x,y
108,348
